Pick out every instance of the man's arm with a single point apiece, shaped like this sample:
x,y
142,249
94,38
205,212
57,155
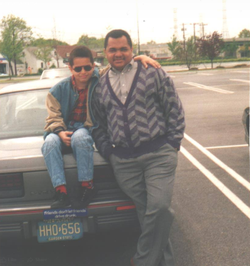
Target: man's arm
x,y
145,60
102,71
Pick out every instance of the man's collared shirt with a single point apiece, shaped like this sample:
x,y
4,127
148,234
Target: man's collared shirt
x,y
121,81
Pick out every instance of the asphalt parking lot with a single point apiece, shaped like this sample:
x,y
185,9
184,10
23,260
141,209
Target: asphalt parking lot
x,y
211,196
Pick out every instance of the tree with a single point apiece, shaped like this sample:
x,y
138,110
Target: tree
x,y
210,46
191,53
15,36
91,42
45,48
49,42
185,52
244,34
151,42
174,47
44,51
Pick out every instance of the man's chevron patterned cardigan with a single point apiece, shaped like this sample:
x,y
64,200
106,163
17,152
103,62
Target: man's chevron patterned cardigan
x,y
151,116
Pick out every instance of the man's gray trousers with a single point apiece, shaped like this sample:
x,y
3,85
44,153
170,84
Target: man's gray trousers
x,y
148,180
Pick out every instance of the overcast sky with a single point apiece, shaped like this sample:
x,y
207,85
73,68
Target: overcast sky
x,y
68,20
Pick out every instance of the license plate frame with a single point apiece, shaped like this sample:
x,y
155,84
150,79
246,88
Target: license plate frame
x,y
59,230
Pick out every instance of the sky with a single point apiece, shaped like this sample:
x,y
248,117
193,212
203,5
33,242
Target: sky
x,y
144,20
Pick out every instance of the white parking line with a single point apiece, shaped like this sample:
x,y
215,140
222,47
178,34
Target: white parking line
x,y
229,170
205,74
241,80
225,147
204,87
243,71
227,192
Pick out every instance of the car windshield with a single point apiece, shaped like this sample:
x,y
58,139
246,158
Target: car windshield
x,y
55,73
22,114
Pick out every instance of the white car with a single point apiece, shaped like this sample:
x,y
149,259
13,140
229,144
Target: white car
x,y
55,73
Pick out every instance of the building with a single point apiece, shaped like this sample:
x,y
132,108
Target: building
x,y
30,64
156,50
4,65
243,46
33,64
63,52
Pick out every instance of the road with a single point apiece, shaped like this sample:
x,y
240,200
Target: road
x,y
211,196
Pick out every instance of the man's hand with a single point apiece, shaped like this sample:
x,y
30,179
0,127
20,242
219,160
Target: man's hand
x,y
65,137
147,61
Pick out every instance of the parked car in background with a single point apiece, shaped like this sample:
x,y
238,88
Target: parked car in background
x,y
245,121
26,192
55,73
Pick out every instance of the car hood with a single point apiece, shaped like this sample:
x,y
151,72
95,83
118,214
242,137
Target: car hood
x,y
24,154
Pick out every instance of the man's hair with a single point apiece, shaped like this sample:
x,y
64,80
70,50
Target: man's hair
x,y
80,51
117,34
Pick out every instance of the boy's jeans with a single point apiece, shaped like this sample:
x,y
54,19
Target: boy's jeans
x,y
82,147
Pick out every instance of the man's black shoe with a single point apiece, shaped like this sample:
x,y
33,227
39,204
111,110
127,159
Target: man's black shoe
x,y
61,201
84,198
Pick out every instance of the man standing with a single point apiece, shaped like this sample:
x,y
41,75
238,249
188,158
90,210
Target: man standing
x,y
141,125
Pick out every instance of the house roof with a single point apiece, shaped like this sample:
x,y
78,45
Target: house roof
x,y
65,50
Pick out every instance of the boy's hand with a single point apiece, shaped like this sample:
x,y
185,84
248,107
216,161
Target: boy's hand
x,y
65,137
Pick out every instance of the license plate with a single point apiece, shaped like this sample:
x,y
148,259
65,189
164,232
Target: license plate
x,y
59,230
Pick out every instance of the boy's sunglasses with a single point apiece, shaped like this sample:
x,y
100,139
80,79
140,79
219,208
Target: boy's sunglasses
x,y
79,68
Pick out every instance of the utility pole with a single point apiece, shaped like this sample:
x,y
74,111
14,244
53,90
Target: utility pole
x,y
202,28
225,32
175,24
194,24
138,34
54,33
184,38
